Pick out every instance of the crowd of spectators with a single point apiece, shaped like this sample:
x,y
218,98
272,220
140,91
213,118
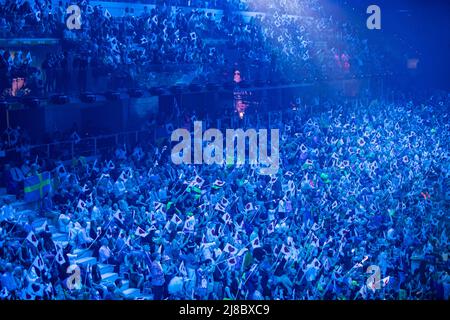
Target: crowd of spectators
x,y
132,49
359,185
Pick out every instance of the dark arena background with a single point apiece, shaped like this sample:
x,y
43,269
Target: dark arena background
x,y
127,131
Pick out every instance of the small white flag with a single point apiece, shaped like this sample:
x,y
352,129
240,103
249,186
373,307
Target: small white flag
x,y
256,243
140,232
230,249
32,238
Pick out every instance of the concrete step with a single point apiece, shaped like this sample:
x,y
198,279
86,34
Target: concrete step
x,y
22,205
144,297
106,268
110,276
38,223
72,258
86,261
8,197
59,237
125,284
61,243
25,213
82,253
131,293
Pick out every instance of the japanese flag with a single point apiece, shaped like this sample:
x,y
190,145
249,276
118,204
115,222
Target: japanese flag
x,y
60,257
385,281
218,184
197,182
118,215
271,228
256,243
158,205
249,207
289,174
226,217
32,238
315,227
219,207
81,204
141,232
106,14
189,224
230,249
39,263
176,219
316,263
285,250
231,262
182,269
224,202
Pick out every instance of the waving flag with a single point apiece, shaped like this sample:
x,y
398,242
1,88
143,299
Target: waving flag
x,y
290,241
158,205
32,238
285,250
271,228
224,202
189,225
219,207
118,215
123,177
249,207
144,40
363,291
231,262
176,219
289,174
230,249
218,184
197,182
361,142
140,232
315,264
211,232
36,187
315,227
182,269
315,241
106,14
256,243
60,257
81,205
39,263
226,217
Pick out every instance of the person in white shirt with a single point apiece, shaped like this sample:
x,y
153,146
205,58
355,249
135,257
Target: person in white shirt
x,y
104,253
82,235
17,174
63,223
7,212
26,168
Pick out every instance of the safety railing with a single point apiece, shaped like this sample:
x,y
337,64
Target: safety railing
x,y
87,147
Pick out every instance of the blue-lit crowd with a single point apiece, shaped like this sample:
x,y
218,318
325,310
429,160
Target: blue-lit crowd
x,y
292,41
362,187
357,210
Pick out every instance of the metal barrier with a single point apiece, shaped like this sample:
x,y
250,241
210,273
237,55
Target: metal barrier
x,y
93,146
